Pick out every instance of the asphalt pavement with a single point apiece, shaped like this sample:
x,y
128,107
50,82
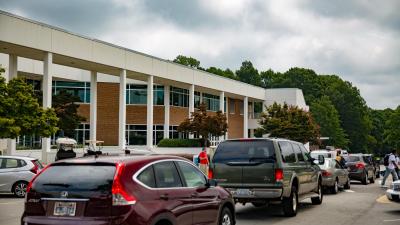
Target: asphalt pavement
x,y
362,205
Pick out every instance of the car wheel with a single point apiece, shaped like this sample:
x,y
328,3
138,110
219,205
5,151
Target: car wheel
x,y
318,200
226,217
347,185
365,179
19,189
289,204
335,188
372,180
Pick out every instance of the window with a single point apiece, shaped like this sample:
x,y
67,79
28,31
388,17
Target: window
x,y
174,134
137,134
258,108
147,177
82,133
193,177
298,152
179,97
337,165
197,99
12,163
288,155
212,102
231,106
166,175
136,94
241,108
305,153
245,151
78,89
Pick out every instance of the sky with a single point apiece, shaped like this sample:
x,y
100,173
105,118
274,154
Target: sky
x,y
358,40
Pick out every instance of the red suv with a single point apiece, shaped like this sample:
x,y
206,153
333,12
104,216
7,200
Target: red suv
x,y
151,189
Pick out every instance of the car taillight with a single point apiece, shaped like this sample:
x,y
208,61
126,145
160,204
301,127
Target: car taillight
x,y
35,168
29,187
119,195
326,173
278,175
210,173
360,165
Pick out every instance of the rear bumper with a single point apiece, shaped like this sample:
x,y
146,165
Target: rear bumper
x,y
256,193
356,175
44,220
328,181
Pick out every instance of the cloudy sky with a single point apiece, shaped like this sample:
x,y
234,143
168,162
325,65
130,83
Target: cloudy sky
x,y
359,40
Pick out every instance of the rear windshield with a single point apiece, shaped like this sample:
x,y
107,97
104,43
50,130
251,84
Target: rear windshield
x,y
245,151
354,158
96,178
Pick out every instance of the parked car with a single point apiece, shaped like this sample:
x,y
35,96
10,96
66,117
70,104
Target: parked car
x,y
393,192
327,154
360,169
16,172
139,189
370,159
334,176
265,170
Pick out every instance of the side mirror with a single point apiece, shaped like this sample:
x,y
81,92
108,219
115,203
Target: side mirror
x,y
321,160
211,183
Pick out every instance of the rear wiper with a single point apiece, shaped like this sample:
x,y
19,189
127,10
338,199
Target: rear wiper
x,y
261,159
57,184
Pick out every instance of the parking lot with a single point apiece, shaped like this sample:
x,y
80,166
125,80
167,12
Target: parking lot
x,y
363,205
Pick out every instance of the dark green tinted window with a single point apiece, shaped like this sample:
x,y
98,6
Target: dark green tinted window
x,y
245,151
147,177
288,155
137,94
166,175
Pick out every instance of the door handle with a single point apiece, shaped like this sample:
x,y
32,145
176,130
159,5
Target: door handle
x,y
164,196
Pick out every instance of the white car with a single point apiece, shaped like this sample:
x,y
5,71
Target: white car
x,y
16,172
327,154
393,192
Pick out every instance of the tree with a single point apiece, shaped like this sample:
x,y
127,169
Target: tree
x,y
187,61
224,73
20,112
289,122
204,125
380,125
392,133
248,74
327,117
67,112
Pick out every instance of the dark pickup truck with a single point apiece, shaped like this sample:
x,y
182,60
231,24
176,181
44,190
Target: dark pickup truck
x,y
268,170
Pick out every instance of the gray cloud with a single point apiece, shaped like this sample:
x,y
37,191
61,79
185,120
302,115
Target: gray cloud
x,y
357,40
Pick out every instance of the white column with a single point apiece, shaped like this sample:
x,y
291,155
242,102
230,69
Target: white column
x,y
93,105
191,104
227,117
149,112
221,101
12,73
47,94
166,111
245,117
122,109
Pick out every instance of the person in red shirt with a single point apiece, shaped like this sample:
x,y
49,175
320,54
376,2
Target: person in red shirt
x,y
203,161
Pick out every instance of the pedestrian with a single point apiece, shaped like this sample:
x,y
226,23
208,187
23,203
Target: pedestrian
x,y
390,163
203,161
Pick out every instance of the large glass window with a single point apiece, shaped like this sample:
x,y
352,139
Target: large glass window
x,y
179,97
174,134
137,134
197,99
137,94
212,102
258,108
231,106
82,133
287,152
78,89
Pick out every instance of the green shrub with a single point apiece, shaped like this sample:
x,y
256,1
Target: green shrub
x,y
182,143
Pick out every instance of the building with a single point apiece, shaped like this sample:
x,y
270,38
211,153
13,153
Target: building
x,y
127,97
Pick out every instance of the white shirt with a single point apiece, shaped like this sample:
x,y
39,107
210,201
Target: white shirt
x,y
391,159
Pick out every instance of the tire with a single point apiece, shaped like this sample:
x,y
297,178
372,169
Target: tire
x,y
372,179
289,205
318,200
19,189
347,185
365,179
335,188
226,217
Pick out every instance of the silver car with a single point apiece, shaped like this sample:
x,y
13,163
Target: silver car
x,y
393,192
334,176
16,172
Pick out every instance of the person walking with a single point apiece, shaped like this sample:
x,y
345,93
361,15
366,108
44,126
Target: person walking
x,y
203,161
390,163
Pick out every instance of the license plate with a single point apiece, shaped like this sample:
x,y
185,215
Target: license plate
x,y
64,208
243,192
